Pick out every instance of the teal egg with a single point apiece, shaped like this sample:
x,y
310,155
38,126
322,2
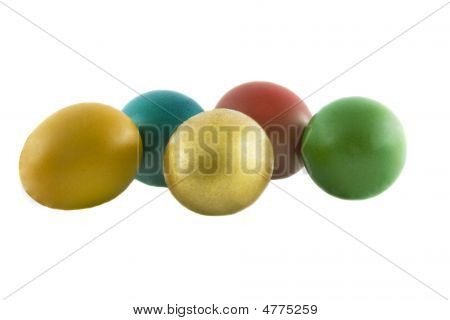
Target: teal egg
x,y
157,114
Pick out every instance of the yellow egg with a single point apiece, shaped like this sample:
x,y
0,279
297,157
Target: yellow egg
x,y
81,156
218,162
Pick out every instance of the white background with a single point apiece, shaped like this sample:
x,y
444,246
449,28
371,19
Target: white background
x,y
275,252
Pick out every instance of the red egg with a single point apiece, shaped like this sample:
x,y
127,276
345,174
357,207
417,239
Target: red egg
x,y
281,113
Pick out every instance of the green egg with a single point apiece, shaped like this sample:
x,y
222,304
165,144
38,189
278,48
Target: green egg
x,y
354,148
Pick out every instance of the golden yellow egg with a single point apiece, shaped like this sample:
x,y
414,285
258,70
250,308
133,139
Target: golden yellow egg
x,y
81,156
218,162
